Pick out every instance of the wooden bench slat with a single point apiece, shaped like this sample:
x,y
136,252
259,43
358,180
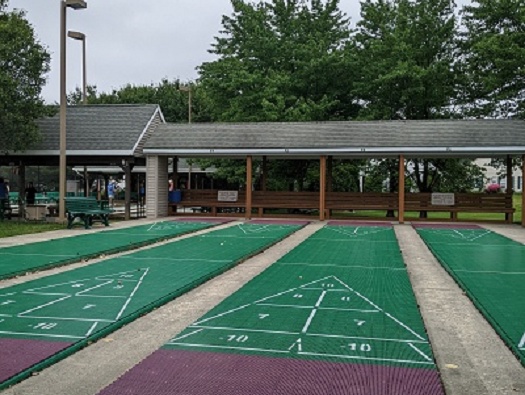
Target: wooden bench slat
x,y
88,210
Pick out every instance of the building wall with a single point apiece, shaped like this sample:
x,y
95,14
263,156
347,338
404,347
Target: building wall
x,y
492,177
156,187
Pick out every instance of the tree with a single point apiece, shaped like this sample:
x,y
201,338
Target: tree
x,y
169,95
23,65
405,64
280,60
406,69
494,57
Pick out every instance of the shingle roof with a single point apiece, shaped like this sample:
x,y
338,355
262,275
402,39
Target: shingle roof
x,y
98,128
421,137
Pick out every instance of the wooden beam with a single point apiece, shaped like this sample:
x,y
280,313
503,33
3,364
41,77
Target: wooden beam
x,y
329,175
127,192
264,173
322,188
509,189
401,190
175,175
248,187
522,191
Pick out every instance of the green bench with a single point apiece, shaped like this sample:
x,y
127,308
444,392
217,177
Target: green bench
x,y
88,210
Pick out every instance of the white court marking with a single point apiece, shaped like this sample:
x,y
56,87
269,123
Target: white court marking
x,y
65,292
240,334
358,231
465,235
521,344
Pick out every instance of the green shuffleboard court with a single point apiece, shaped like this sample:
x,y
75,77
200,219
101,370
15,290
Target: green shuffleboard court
x,y
44,320
491,270
336,315
32,257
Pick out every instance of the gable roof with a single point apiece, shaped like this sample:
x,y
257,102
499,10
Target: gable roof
x,y
96,135
353,138
97,130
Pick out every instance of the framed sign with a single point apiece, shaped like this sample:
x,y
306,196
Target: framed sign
x,y
442,199
227,196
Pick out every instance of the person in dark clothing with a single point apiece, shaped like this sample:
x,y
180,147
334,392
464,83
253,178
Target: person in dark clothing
x,y
30,194
4,197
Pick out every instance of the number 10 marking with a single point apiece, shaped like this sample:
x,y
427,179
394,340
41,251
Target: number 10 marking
x,y
365,347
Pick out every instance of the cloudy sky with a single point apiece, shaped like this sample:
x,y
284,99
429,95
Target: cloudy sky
x,y
133,41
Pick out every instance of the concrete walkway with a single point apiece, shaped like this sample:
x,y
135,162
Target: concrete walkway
x,y
470,356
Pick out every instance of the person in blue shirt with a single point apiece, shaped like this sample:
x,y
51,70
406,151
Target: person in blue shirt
x,y
111,191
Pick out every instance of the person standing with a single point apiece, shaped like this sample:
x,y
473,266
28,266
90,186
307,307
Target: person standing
x,y
111,191
30,193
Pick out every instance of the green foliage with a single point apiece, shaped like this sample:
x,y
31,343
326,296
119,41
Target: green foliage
x,y
171,96
444,175
405,58
280,60
23,65
494,57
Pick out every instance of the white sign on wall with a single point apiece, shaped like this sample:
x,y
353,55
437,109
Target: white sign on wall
x,y
227,196
443,199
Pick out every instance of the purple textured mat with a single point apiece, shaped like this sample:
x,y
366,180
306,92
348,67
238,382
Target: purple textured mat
x,y
23,353
360,223
446,226
168,372
278,221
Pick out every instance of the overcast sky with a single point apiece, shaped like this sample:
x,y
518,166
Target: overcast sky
x,y
132,41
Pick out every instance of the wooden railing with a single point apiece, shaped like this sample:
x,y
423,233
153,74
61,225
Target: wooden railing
x,y
299,202
464,202
361,201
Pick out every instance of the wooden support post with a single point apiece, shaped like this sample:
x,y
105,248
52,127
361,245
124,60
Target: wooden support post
x,y
401,190
86,182
509,189
329,180
329,171
522,191
22,191
175,175
248,187
264,177
127,191
322,188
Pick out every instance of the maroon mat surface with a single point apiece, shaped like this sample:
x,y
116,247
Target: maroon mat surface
x,y
278,221
19,354
168,372
447,226
359,223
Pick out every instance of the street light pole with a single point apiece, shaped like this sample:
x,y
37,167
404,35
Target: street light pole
x,y
81,37
76,5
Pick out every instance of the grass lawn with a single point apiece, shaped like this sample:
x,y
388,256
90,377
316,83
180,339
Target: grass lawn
x,y
13,227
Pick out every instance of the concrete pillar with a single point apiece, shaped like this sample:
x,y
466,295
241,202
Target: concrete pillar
x,y
156,186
